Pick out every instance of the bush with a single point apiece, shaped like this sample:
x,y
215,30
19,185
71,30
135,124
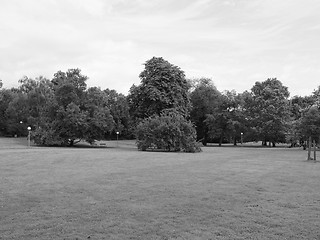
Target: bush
x,y
46,137
170,132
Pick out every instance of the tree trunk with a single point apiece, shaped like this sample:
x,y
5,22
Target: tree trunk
x,y
309,148
220,141
264,143
273,144
205,138
234,141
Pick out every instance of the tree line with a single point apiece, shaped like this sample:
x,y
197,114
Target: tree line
x,y
165,111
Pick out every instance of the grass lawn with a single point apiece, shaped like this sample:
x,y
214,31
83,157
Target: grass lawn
x,y
121,193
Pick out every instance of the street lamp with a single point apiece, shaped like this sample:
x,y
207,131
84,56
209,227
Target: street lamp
x,y
20,129
29,136
242,138
117,138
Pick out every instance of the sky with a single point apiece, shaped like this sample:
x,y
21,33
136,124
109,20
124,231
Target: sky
x,y
233,42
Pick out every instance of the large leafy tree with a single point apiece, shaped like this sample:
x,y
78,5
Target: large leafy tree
x,y
268,110
227,120
205,99
17,115
161,104
298,106
40,99
310,127
6,97
26,105
119,109
310,123
163,86
69,87
99,119
78,113
236,116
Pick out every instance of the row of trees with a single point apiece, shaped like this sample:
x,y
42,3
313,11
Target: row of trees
x,y
162,112
62,110
265,113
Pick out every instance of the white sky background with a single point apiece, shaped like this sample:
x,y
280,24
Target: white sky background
x,y
234,42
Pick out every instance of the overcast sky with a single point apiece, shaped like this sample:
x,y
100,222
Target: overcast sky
x,y
234,42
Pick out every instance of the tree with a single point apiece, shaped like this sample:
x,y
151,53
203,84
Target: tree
x,y
163,86
267,108
170,131
236,118
17,112
310,126
205,99
316,96
119,109
5,98
298,105
40,99
219,122
227,120
69,87
26,105
99,119
162,98
77,113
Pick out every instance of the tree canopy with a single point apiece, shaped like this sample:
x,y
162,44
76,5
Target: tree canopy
x,y
267,107
205,99
163,86
62,110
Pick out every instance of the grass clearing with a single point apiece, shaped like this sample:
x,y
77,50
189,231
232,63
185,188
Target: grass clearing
x,y
121,193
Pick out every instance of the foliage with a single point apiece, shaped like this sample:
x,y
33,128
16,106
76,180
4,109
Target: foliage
x,y
80,114
119,109
69,87
267,108
163,86
63,110
6,97
298,106
310,123
227,121
98,119
170,131
17,113
205,99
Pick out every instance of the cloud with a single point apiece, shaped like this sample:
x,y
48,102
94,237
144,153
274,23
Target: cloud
x,y
234,42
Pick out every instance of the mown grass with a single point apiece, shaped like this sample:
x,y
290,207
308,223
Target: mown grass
x,y
120,193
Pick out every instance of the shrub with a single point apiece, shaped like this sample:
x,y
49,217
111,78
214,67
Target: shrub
x,y
170,132
46,137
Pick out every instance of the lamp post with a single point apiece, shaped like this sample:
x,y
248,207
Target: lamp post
x,y
29,136
20,128
242,138
117,138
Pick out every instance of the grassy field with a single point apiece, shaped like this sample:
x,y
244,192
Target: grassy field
x,y
118,192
